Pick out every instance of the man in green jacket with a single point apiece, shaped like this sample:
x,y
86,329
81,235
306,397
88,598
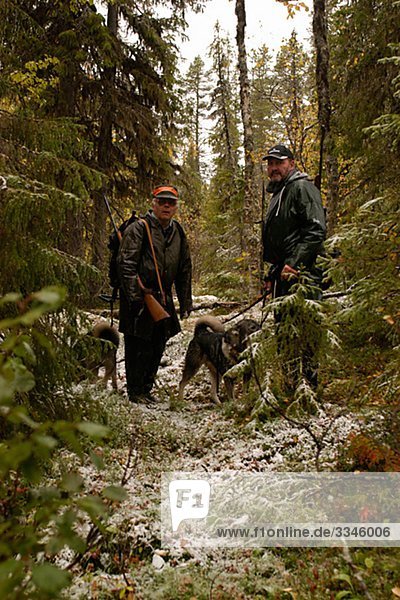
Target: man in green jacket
x,y
144,338
294,228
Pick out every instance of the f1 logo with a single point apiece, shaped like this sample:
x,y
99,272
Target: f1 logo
x,y
189,499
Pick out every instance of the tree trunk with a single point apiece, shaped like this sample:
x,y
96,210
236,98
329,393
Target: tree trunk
x,y
104,149
325,111
249,237
71,233
197,127
223,84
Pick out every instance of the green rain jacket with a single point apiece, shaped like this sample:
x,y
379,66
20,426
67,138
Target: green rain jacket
x,y
294,229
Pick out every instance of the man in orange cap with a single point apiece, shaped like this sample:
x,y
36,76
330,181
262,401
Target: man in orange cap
x,y
161,238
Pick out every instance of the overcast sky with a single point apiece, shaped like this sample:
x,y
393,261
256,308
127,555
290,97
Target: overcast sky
x,y
267,23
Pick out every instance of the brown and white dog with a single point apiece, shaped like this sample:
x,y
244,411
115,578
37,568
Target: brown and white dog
x,y
216,348
107,356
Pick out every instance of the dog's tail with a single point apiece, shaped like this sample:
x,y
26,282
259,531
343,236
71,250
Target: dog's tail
x,y
104,331
208,322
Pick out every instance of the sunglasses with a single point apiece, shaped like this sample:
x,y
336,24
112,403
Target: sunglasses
x,y
163,201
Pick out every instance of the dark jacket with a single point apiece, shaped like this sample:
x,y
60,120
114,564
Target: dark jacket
x,y
174,264
294,228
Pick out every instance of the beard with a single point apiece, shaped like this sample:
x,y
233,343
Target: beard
x,y
275,186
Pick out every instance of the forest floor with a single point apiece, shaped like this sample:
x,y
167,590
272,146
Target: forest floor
x,y
127,561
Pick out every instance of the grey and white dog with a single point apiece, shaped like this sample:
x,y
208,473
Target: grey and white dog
x,y
216,348
107,357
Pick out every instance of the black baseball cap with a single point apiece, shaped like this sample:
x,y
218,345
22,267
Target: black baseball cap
x,y
280,152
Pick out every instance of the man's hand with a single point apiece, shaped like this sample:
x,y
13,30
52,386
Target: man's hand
x,y
288,273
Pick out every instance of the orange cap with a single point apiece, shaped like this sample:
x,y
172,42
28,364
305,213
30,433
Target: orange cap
x,y
165,191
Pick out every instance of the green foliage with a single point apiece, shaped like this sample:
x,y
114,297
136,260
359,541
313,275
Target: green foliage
x,y
50,349
195,94
387,126
369,246
369,320
48,182
221,256
365,86
361,32
302,340
222,223
83,108
37,519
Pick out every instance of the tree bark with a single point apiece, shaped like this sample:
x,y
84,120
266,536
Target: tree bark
x,y
104,149
223,85
197,126
248,138
320,32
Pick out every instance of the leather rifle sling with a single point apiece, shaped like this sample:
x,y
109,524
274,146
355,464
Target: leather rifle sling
x,y
163,298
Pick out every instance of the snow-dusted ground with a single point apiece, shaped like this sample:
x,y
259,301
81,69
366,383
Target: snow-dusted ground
x,y
197,435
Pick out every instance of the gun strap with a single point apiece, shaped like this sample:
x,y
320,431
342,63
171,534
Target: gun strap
x,y
155,260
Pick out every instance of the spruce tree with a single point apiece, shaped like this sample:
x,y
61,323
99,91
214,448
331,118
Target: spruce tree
x,y
82,110
293,97
223,211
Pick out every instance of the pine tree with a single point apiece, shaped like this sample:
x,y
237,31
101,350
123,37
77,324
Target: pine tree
x,y
360,35
119,88
224,107
191,152
264,129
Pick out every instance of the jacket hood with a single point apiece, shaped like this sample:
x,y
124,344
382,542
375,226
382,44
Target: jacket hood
x,y
295,176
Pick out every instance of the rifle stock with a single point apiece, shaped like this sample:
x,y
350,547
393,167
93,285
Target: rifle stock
x,y
156,310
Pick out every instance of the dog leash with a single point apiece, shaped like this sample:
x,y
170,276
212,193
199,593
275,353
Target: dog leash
x,y
259,299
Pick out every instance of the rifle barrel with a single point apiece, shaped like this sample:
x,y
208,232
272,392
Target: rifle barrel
x,y
117,231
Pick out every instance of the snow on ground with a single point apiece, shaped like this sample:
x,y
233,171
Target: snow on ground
x,y
196,435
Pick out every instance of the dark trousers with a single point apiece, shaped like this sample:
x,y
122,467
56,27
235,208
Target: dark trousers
x,y
142,359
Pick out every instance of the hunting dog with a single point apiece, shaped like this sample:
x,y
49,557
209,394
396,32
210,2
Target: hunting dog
x,y
106,356
216,348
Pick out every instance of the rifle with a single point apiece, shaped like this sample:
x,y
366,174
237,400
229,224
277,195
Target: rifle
x,y
156,310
